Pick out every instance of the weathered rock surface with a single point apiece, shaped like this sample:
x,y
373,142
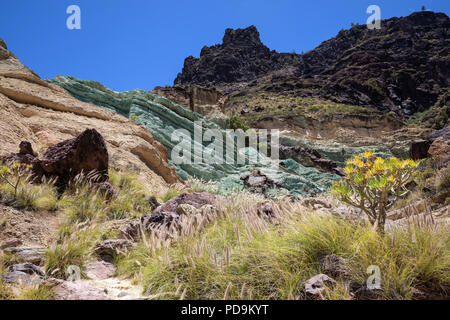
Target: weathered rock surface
x,y
77,290
196,199
100,270
315,286
13,242
310,157
110,248
169,212
258,182
44,114
334,266
240,57
28,254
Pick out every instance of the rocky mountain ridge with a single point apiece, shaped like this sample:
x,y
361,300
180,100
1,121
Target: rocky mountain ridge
x,y
402,68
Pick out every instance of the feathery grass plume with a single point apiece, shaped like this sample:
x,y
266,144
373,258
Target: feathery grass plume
x,y
37,292
263,259
73,248
5,291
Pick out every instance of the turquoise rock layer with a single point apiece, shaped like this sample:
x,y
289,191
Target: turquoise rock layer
x,y
161,117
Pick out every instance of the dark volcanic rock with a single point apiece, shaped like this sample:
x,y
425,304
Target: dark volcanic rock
x,y
419,149
258,182
310,158
402,68
317,284
240,57
166,213
26,155
109,248
196,199
28,268
437,145
84,154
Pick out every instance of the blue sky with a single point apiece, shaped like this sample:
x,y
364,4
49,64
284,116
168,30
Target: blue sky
x,y
142,43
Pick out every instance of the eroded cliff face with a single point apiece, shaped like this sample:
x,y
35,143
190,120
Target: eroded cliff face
x,y
44,114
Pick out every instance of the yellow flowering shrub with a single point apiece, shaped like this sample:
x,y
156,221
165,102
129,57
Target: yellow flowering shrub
x,y
373,184
13,174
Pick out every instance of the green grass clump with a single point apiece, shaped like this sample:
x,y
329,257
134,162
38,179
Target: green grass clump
x,y
240,255
38,293
38,197
74,248
170,194
5,291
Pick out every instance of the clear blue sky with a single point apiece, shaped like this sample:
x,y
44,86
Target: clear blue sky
x,y
142,43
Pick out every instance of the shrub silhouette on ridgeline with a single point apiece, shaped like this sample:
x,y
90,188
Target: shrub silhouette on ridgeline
x,y
373,184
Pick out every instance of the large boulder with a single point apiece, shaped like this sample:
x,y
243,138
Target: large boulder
x,y
436,146
196,199
169,212
84,154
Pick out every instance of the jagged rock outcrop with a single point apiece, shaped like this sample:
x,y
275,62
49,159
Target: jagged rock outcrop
x,y
44,114
402,68
310,157
170,212
84,154
241,57
258,182
436,145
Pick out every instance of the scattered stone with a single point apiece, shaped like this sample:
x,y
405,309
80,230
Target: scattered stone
x,y
78,290
21,278
122,294
169,213
315,203
14,242
153,203
265,209
258,182
334,266
86,154
28,254
361,292
186,209
109,248
27,268
317,284
100,270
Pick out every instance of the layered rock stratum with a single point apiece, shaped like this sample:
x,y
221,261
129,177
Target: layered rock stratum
x,y
45,114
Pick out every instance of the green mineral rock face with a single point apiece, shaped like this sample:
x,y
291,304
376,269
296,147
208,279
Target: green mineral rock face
x,y
162,117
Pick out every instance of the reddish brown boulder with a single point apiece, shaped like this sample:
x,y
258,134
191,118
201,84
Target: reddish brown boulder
x,y
86,153
26,155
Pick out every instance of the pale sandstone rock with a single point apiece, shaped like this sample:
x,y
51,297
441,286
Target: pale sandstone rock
x,y
44,114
